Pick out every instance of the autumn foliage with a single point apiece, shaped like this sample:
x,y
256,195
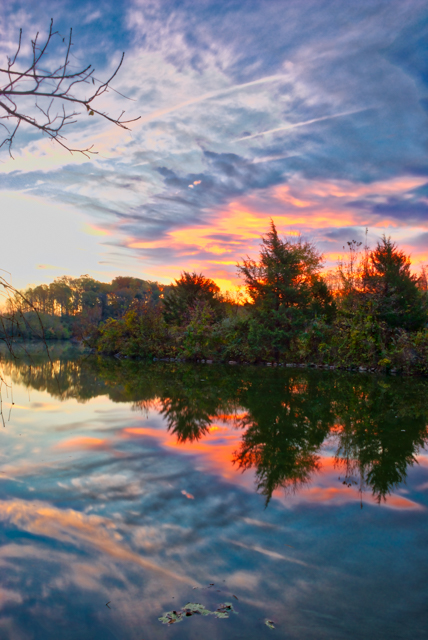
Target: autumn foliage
x,y
370,312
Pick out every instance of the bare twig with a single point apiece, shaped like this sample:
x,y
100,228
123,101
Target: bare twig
x,y
56,87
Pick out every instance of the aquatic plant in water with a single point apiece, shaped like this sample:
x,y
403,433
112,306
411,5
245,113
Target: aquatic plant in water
x,y
194,608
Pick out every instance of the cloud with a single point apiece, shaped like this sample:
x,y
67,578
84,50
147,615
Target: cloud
x,y
420,240
344,234
83,442
338,87
267,552
294,125
404,210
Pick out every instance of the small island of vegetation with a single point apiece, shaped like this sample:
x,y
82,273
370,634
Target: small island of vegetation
x,y
370,313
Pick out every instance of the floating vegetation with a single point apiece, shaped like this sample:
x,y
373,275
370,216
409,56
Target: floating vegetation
x,y
191,608
171,616
194,608
223,610
269,624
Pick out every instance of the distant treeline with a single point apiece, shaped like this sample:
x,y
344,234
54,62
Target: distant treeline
x,y
371,311
70,307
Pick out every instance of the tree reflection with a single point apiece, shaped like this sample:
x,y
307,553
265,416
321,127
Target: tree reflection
x,y
189,415
283,431
377,425
381,432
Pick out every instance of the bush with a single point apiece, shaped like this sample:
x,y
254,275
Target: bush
x,y
142,332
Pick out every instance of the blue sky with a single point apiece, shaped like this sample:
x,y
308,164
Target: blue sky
x,y
313,113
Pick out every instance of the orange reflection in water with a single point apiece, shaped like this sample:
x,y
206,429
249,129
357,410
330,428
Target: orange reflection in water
x,y
341,495
216,451
216,448
83,443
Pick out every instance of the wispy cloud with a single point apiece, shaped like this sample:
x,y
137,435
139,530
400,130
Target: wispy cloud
x,y
252,105
294,125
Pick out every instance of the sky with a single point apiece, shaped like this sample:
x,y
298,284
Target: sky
x,y
311,113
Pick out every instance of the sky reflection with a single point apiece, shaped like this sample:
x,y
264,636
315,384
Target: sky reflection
x,y
101,502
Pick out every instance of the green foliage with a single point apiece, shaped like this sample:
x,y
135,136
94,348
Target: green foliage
x,y
388,280
78,305
142,332
74,297
190,290
359,337
286,275
33,326
231,338
373,313
292,315
286,289
196,338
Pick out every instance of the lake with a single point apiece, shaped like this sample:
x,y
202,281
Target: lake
x,y
129,490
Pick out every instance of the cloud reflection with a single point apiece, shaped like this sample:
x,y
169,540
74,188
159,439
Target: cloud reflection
x,y
79,529
86,526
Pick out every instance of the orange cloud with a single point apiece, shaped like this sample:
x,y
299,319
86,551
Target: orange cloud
x,y
347,189
47,266
305,206
93,230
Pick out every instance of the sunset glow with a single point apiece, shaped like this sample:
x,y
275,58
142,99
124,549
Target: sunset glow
x,y
325,137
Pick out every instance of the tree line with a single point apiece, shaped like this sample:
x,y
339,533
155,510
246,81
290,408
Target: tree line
x,y
371,311
71,307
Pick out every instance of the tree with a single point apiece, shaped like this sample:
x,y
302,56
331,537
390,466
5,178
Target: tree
x,y
188,290
393,288
286,275
55,88
286,287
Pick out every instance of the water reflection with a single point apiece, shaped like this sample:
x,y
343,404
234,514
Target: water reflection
x,y
375,426
382,428
132,484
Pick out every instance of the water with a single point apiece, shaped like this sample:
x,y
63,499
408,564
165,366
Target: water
x,y
298,496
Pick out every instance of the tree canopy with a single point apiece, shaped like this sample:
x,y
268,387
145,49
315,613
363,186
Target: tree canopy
x,y
285,286
286,275
189,290
389,281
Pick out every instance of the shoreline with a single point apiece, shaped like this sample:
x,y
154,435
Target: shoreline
x,y
37,347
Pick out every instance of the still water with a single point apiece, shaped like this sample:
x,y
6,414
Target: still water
x,y
128,490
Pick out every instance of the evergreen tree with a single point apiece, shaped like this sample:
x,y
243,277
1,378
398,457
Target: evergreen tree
x,y
286,288
394,289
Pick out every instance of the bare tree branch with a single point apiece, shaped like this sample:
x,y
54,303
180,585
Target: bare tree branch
x,y
57,88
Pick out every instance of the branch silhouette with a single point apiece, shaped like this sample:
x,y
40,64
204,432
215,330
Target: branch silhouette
x,y
55,93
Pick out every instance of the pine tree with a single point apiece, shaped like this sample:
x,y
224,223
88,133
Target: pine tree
x,y
286,288
394,289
